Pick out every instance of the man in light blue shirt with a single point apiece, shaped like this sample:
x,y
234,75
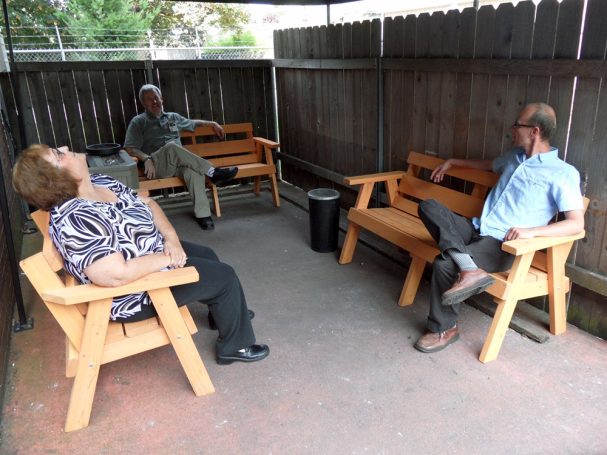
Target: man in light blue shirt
x,y
154,139
534,185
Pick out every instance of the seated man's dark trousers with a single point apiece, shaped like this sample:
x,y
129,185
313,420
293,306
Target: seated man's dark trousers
x,y
452,231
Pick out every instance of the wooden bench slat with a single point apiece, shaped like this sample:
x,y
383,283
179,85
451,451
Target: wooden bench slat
x,y
374,222
159,184
230,128
211,150
406,205
485,178
235,161
456,201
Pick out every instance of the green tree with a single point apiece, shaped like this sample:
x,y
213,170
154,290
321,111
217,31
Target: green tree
x,y
236,39
32,13
119,22
108,22
227,19
33,21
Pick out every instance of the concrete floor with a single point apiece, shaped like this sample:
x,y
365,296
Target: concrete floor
x,y
342,376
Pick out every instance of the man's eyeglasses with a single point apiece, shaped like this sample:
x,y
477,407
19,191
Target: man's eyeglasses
x,y
517,125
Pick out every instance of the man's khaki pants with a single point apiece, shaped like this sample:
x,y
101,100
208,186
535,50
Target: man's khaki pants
x,y
172,160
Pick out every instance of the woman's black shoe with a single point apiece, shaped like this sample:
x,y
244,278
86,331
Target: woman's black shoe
x,y
213,326
252,353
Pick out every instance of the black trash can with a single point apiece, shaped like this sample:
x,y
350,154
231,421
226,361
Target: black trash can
x,y
324,219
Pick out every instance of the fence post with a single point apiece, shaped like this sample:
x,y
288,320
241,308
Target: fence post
x,y
198,51
4,64
60,43
151,44
380,124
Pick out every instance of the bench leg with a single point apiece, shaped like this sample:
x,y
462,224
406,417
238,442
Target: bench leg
x,y
71,359
505,308
274,188
257,185
347,250
89,361
215,195
557,287
414,276
497,332
181,340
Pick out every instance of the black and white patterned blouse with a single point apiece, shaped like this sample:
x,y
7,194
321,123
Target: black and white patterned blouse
x,y
84,231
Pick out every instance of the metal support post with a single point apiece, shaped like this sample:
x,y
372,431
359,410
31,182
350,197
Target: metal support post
x,y
24,323
60,43
380,125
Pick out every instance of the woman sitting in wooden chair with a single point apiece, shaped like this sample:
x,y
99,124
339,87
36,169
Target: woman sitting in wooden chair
x,y
109,236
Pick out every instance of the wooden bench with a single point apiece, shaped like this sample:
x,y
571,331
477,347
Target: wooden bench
x,y
83,312
252,155
534,273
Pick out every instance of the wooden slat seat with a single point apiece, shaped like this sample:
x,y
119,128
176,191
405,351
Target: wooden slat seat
x,y
252,155
83,312
534,273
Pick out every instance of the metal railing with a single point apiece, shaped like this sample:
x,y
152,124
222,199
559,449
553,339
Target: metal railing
x,y
54,44
143,53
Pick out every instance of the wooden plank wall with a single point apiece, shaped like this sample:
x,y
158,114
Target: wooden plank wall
x,y
328,116
79,103
452,85
7,268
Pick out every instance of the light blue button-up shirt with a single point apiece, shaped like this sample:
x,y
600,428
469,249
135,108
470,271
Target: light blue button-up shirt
x,y
529,192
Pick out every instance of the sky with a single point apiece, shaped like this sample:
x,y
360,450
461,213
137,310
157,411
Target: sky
x,y
309,16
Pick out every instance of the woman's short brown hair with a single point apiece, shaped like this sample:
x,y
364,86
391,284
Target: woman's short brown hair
x,y
39,182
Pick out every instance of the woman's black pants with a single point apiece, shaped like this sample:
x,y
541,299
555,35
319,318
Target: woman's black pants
x,y
220,288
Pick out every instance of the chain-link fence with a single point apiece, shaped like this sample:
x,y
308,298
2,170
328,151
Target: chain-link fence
x,y
165,53
53,44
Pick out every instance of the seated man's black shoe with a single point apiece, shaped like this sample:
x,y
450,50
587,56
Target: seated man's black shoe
x,y
206,223
252,353
223,174
213,326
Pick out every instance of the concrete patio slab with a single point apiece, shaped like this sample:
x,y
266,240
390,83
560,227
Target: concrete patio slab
x,y
342,376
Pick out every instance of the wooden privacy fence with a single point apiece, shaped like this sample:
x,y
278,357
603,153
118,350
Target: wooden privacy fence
x,y
79,103
451,84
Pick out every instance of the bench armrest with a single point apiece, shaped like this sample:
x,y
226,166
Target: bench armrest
x,y
522,246
373,178
266,142
91,292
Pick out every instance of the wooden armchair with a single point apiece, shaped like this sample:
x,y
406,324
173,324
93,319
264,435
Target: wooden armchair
x,y
83,312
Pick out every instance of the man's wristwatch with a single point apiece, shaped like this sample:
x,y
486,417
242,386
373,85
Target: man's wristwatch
x,y
146,158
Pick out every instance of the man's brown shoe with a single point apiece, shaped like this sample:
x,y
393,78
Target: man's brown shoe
x,y
468,283
434,342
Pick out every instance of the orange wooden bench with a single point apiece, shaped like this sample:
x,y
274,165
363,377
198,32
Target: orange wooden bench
x,y
252,155
533,274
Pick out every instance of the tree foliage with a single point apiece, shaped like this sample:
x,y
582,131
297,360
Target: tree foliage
x,y
236,39
90,21
108,22
32,13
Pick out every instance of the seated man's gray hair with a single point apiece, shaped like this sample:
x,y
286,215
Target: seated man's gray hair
x,y
148,88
